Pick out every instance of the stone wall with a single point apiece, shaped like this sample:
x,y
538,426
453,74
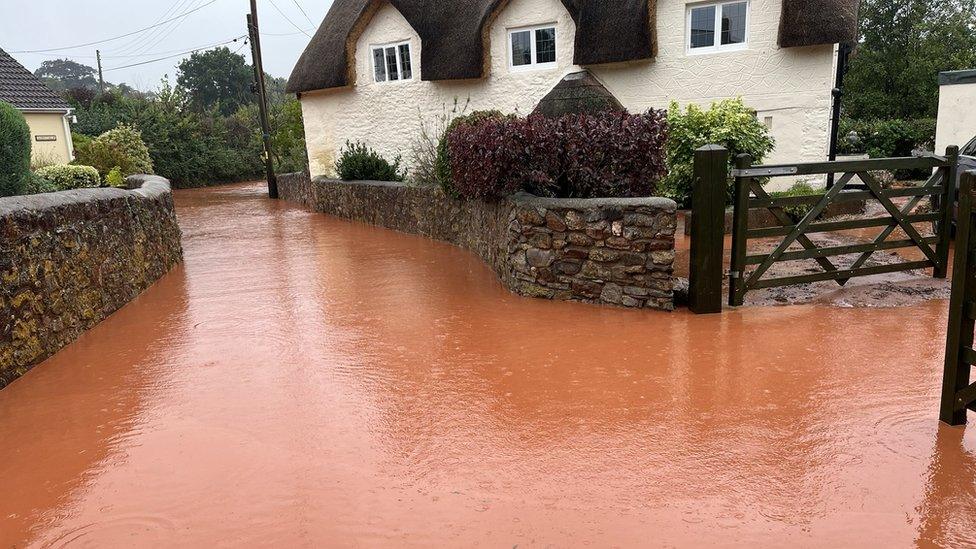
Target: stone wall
x,y
607,251
70,259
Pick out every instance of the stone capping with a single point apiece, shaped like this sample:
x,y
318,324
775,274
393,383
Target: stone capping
x,y
70,259
147,186
610,251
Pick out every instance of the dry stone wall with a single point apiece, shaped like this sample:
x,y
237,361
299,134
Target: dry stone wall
x,y
606,251
70,259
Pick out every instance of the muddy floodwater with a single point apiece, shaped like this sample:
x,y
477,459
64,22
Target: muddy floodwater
x,y
303,381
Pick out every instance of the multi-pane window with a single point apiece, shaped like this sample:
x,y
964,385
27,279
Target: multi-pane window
x,y
717,27
533,48
392,63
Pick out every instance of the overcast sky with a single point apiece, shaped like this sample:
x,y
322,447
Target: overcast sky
x,y
31,25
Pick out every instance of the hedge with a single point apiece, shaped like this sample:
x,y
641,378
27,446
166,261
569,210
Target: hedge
x,y
574,156
15,151
66,177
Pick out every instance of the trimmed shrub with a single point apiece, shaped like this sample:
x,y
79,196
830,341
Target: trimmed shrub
x,y
38,185
15,150
357,162
800,188
66,177
728,123
115,178
121,147
886,138
575,156
442,164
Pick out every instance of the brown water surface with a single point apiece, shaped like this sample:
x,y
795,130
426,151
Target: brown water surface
x,y
305,382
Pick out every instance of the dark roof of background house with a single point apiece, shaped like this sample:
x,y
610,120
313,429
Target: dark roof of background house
x,y
23,90
578,93
817,22
454,34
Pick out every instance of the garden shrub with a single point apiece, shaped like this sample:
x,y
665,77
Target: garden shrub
x,y
15,150
121,147
114,178
728,123
442,162
38,185
66,177
357,162
801,188
575,156
887,139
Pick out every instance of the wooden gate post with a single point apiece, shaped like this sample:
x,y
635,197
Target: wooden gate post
x,y
708,229
961,313
740,229
948,201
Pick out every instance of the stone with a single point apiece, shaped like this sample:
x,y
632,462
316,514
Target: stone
x,y
604,255
618,242
555,222
639,220
575,221
662,257
569,267
632,302
617,228
575,252
539,258
577,239
589,290
559,244
595,271
541,240
612,293
529,217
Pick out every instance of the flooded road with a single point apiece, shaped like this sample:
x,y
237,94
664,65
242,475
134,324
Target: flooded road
x,y
303,381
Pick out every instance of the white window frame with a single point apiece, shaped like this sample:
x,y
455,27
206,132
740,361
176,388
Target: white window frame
x,y
396,46
534,65
717,46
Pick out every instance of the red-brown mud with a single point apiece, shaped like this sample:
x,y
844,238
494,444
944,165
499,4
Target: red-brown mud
x,y
307,382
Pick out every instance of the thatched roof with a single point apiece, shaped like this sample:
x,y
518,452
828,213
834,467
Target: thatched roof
x,y
454,34
579,92
814,23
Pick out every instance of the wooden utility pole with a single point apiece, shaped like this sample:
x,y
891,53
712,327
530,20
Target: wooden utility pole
x,y
255,36
101,81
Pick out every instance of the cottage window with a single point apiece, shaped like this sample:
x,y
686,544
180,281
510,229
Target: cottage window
x,y
533,48
392,63
717,27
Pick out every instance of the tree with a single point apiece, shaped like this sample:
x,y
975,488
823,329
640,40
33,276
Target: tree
x,y
65,74
216,79
904,45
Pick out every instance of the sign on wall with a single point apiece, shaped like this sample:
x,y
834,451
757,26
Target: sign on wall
x,y
45,138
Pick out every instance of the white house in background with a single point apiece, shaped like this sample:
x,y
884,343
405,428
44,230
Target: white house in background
x,y
957,117
377,69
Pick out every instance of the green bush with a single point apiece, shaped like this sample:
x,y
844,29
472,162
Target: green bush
x,y
357,162
801,188
728,123
442,165
121,147
115,178
15,151
66,177
38,185
886,138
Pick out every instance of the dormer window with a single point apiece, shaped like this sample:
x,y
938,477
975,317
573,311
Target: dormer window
x,y
392,62
717,27
532,48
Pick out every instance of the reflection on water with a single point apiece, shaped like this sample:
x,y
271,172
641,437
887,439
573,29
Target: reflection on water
x,y
304,381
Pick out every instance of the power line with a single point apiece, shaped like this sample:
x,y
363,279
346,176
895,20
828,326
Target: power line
x,y
301,9
134,41
275,6
165,32
116,37
175,55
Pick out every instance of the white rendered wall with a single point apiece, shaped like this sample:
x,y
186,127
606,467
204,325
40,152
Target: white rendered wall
x,y
957,117
789,86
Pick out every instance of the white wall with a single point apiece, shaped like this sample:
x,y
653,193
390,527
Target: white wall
x,y
792,86
957,117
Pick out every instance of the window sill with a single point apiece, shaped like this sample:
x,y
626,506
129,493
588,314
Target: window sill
x,y
533,68
715,50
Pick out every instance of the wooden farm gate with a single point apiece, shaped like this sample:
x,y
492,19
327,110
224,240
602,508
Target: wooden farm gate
x,y
958,394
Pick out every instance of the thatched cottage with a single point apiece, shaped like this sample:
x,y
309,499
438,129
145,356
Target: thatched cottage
x,y
376,70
